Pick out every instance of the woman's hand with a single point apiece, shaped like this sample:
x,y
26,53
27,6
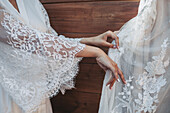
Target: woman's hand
x,y
104,62
107,63
101,40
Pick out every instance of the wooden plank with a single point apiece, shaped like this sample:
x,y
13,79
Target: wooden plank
x,y
90,78
93,69
85,18
85,98
89,85
90,17
68,1
76,102
88,61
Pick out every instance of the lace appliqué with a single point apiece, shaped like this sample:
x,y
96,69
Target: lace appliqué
x,y
125,97
150,82
52,56
146,18
143,24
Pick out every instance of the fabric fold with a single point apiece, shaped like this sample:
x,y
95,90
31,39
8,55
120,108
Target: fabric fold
x,y
35,64
144,60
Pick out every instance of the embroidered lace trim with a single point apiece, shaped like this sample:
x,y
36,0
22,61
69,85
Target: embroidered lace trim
x,y
53,55
151,81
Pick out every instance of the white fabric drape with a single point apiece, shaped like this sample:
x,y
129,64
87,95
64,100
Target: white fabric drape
x,y
35,62
144,60
7,105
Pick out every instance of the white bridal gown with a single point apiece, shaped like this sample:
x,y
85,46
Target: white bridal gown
x,y
35,62
144,59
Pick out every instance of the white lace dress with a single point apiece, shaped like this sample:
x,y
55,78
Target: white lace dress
x,y
144,59
35,62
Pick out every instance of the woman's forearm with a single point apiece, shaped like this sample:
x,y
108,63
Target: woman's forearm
x,y
90,51
88,41
104,62
101,40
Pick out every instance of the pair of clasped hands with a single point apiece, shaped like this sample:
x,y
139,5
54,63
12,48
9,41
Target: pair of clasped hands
x,y
106,63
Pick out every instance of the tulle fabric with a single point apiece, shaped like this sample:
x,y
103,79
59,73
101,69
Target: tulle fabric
x,y
7,105
36,63
144,60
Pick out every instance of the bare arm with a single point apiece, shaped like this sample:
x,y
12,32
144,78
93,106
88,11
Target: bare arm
x,y
58,47
101,40
104,62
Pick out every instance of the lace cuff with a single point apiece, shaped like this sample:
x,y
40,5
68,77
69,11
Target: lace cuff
x,y
37,64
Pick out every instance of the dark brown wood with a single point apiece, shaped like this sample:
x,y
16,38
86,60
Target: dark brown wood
x,y
90,17
14,3
76,102
68,1
89,78
85,18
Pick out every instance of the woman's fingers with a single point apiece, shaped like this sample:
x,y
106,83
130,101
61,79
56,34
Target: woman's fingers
x,y
116,32
121,76
116,39
115,71
119,72
107,44
112,83
110,80
110,45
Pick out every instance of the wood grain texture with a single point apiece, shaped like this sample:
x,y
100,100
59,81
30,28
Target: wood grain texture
x,y
90,17
76,102
85,18
68,1
90,78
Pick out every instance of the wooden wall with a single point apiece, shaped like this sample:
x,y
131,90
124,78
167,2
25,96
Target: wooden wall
x,y
84,18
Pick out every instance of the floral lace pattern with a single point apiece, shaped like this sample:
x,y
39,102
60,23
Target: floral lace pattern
x,y
146,17
150,82
44,63
125,98
143,24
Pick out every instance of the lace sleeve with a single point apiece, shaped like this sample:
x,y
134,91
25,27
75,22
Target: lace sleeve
x,y
35,65
28,39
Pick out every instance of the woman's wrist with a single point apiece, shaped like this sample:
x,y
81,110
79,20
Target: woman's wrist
x,y
90,51
99,52
88,41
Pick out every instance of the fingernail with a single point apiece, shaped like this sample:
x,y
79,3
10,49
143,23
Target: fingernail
x,y
118,80
118,50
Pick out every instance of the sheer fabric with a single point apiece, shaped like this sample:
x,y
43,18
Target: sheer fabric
x,y
7,105
144,60
35,62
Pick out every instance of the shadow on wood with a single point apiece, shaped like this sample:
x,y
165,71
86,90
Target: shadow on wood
x,y
83,18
